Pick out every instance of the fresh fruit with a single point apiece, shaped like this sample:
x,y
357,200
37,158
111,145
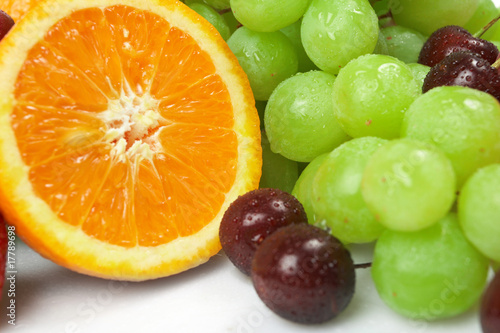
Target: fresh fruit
x,y
371,95
336,192
430,274
3,252
419,72
277,171
303,187
293,33
427,16
127,129
303,274
17,8
268,15
6,23
490,307
479,210
251,218
266,57
408,185
403,43
464,69
464,123
450,39
335,32
213,17
299,118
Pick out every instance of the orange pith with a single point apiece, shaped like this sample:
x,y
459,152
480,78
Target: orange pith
x,y
16,8
70,112
126,130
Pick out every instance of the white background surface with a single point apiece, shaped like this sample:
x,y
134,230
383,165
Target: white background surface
x,y
214,297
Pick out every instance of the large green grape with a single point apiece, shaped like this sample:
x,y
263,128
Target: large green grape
x,y
419,72
479,210
293,33
299,118
403,43
277,171
427,16
408,185
336,192
266,57
430,274
213,17
463,122
371,95
303,187
268,15
335,32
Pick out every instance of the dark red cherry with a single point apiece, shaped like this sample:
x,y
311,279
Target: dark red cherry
x,y
452,38
490,307
303,274
251,218
464,69
6,23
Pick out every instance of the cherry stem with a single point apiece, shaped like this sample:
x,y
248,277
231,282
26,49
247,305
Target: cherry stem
x,y
496,64
365,265
486,27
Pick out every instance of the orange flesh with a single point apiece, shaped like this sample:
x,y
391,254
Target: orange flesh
x,y
87,64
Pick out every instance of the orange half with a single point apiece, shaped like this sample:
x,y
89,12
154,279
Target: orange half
x,y
127,128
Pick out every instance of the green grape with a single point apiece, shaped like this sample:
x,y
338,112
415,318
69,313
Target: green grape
x,y
408,185
277,171
303,187
381,47
299,118
371,95
403,43
336,192
419,72
485,12
268,15
427,16
217,4
381,7
429,274
213,17
293,33
463,122
335,32
479,210
261,108
231,21
266,57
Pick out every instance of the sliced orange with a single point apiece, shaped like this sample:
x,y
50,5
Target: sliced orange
x,y
127,128
16,8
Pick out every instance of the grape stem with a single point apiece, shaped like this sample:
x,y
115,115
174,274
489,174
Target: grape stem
x,y
486,27
365,265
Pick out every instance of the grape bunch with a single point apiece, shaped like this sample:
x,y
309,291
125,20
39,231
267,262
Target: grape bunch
x,y
383,119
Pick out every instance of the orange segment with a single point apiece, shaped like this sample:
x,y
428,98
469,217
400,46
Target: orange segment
x,y
127,130
86,38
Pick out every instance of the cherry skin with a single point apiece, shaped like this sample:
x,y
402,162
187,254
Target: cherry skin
x,y
6,23
303,274
452,38
464,69
251,218
490,307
